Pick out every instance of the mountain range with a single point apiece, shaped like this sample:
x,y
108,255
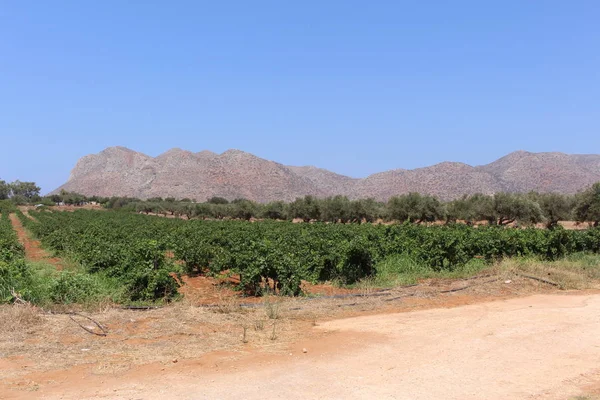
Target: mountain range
x,y
119,171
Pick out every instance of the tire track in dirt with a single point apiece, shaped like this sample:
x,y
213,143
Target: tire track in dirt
x,y
33,248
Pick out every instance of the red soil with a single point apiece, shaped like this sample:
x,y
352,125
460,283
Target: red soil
x,y
33,249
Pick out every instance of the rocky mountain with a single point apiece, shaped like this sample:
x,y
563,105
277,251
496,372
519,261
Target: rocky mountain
x,y
118,171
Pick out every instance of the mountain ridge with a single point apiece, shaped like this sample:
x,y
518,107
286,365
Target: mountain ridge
x,y
179,173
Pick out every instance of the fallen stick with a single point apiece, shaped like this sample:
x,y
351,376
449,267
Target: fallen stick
x,y
535,278
141,308
103,333
466,287
477,277
347,305
456,290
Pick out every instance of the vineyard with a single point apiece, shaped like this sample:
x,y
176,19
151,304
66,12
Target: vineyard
x,y
12,258
145,254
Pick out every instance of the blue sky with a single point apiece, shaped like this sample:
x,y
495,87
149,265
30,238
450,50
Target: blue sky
x,y
354,87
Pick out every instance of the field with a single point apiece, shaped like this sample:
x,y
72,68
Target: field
x,y
140,258
180,299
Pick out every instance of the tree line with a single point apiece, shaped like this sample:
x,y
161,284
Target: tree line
x,y
498,209
502,208
19,192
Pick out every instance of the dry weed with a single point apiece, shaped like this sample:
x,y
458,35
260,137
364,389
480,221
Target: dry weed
x,y
227,304
272,307
18,320
566,275
259,325
366,286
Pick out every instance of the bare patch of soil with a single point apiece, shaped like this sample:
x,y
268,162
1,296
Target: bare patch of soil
x,y
205,290
196,351
519,348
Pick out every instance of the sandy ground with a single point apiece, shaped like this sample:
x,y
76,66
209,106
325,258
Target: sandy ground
x,y
536,347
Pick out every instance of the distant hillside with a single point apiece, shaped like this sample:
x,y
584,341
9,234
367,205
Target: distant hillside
x,y
118,171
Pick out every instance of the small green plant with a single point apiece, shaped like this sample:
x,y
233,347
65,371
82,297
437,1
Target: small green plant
x,y
70,287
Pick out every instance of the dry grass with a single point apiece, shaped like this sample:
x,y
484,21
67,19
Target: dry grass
x,y
18,321
227,304
567,274
272,306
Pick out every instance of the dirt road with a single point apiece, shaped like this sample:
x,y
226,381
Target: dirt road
x,y
537,347
33,248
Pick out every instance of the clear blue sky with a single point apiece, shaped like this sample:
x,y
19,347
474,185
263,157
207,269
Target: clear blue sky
x,y
355,87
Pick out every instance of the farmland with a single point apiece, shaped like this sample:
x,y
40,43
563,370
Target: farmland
x,y
141,258
116,259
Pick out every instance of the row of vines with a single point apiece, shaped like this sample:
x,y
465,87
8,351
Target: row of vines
x,y
142,250
12,258
10,248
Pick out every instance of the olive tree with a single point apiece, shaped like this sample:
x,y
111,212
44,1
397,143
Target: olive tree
x,y
307,208
28,190
512,207
555,207
4,190
587,208
415,207
274,210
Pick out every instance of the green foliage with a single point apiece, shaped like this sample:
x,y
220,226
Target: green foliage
x,y
554,206
152,285
415,207
69,198
497,209
19,192
274,210
587,207
14,277
274,256
28,190
113,244
218,200
307,208
7,206
367,210
243,209
335,209
10,248
4,190
70,287
120,202
510,207
462,209
399,270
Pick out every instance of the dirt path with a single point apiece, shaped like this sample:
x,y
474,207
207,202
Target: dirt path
x,y
537,347
33,248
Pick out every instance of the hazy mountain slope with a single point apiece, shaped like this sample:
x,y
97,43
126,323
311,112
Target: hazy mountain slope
x,y
446,180
179,173
118,171
327,181
545,172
